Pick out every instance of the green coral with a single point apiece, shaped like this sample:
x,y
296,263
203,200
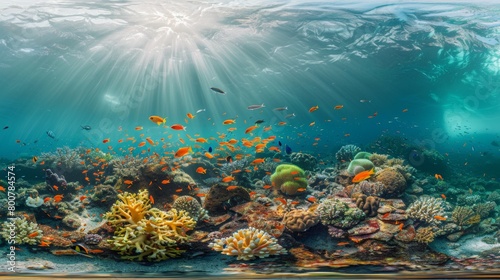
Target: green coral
x,y
339,214
21,230
142,232
363,155
288,178
359,165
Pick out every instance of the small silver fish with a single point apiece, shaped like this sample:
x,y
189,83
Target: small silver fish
x,y
280,109
365,101
255,107
201,110
290,116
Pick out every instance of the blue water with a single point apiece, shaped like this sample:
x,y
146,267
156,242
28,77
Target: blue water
x,y
111,66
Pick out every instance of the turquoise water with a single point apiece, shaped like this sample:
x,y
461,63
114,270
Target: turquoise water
x,y
424,72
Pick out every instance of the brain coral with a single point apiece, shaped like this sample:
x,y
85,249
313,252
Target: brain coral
x,y
191,206
339,214
394,182
247,244
288,178
299,220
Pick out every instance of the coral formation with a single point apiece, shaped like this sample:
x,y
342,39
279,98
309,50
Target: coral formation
x,y
34,202
52,179
63,158
363,155
424,235
464,216
142,232
21,231
339,214
393,180
378,159
128,167
425,209
367,188
92,239
484,209
359,165
191,206
369,204
219,198
299,220
303,160
336,232
247,244
288,178
347,153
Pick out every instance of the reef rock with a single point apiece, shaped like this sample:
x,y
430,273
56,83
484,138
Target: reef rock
x,y
394,182
218,195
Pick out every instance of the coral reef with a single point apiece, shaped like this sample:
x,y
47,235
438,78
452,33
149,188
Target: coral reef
x,y
346,153
378,159
484,209
299,220
425,235
369,204
367,188
335,212
288,178
336,232
21,231
359,165
92,239
52,179
303,160
63,158
494,196
219,199
464,216
142,232
128,167
425,209
393,180
34,202
247,244
191,206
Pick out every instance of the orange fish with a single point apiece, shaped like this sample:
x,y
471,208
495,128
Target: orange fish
x,y
201,140
257,161
338,107
82,197
44,244
281,199
361,176
47,199
200,194
267,187
183,151
228,179
230,188
141,144
151,199
281,123
209,155
151,142
96,251
201,170
128,182
157,119
312,124
105,140
443,196
138,128
438,177
386,215
400,227
440,218
250,129
189,115
178,127
178,190
34,234
55,187
311,199
343,243
313,109
229,121
301,189
58,198
294,172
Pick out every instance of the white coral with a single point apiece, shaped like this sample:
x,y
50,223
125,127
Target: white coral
x,y
425,209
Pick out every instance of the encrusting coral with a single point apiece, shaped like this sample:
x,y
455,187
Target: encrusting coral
x,y
288,178
425,235
145,232
22,231
369,204
425,209
247,244
339,214
299,220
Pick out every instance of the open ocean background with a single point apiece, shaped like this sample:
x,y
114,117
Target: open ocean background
x,y
427,72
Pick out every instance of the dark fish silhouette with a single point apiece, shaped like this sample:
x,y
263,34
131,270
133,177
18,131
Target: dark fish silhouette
x,y
259,121
5,127
86,127
218,90
209,149
51,134
288,150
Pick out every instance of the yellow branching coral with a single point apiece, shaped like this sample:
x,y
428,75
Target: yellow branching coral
x,y
247,244
425,235
142,232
